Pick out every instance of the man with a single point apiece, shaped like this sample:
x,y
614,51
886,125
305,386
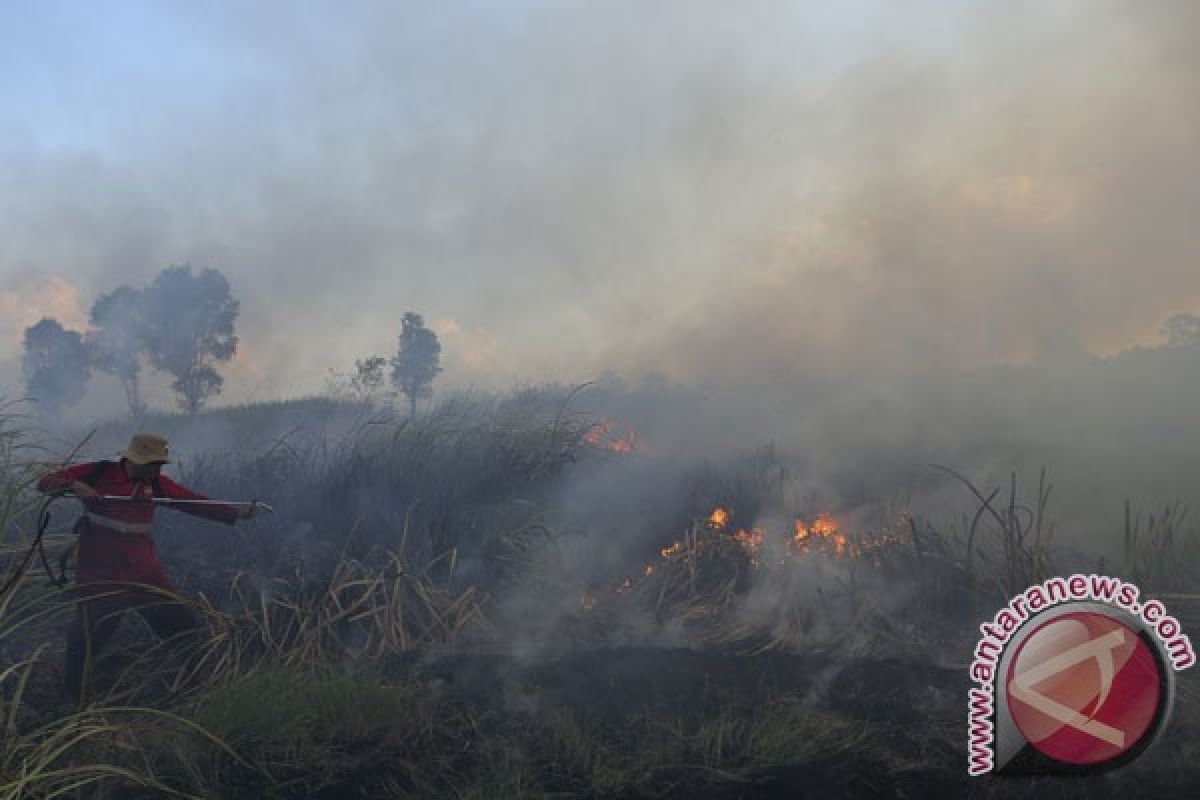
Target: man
x,y
115,549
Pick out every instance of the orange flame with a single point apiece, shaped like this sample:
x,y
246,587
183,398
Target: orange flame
x,y
822,536
674,550
823,530
749,538
601,435
751,541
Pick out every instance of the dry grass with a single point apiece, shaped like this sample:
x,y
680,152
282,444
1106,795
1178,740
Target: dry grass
x,y
251,665
301,687
149,728
1152,547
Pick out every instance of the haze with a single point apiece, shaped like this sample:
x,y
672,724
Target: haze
x,y
714,192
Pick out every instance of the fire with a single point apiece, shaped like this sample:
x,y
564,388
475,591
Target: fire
x,y
751,541
823,530
825,525
601,435
822,537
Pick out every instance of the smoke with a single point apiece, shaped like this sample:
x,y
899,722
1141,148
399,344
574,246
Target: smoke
x,y
702,191
32,297
845,230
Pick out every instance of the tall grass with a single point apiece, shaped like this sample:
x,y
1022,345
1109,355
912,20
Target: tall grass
x,y
68,754
398,541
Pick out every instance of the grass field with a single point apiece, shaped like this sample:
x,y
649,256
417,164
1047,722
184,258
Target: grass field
x,y
480,602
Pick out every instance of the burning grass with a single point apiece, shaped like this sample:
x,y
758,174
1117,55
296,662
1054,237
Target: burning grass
x,y
443,632
754,589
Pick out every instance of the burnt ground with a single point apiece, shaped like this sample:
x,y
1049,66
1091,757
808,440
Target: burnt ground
x,y
910,718
659,722
640,722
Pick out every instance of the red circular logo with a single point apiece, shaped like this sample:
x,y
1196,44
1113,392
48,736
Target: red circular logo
x,y
1084,688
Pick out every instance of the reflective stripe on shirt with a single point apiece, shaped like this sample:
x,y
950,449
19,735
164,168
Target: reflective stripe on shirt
x,y
117,525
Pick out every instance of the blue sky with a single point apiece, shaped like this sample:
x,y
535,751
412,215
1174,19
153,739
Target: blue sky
x,y
81,76
113,77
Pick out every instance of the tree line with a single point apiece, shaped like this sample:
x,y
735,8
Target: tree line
x,y
414,366
183,325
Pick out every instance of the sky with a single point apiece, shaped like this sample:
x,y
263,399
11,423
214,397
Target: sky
x,y
728,192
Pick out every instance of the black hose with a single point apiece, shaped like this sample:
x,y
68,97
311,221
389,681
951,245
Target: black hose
x,y
60,580
38,546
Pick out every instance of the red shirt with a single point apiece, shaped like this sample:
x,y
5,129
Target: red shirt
x,y
115,481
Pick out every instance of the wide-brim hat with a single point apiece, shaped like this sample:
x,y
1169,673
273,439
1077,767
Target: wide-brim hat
x,y
147,448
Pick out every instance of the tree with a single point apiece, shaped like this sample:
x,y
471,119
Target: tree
x,y
1182,330
416,363
118,339
368,376
55,365
189,325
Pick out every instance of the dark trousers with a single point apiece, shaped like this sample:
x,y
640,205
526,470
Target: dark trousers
x,y
99,611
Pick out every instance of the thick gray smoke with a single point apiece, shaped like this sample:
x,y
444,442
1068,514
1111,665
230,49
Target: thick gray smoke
x,y
702,190
823,227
